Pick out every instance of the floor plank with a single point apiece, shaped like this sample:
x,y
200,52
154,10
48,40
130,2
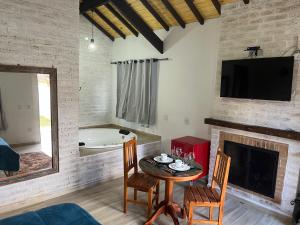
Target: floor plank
x,y
104,202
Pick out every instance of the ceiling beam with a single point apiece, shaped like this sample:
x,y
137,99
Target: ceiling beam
x,y
121,18
155,14
98,26
195,11
139,24
106,20
246,1
91,4
176,16
217,5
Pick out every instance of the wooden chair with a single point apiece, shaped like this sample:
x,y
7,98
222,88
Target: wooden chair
x,y
203,196
137,181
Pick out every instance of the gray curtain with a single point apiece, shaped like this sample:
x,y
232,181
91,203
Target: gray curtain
x,y
3,125
137,91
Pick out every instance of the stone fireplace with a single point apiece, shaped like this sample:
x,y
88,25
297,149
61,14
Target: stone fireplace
x,y
271,29
258,166
287,167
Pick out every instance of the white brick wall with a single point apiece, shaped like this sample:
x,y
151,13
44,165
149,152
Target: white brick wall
x,y
95,77
274,25
46,33
109,165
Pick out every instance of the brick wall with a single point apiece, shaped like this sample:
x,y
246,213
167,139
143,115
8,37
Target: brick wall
x,y
108,165
274,25
46,33
95,77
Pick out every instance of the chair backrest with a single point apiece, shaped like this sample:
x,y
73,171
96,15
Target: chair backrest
x,y
130,157
221,172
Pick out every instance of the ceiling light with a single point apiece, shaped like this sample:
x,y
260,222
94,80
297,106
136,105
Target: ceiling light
x,y
92,44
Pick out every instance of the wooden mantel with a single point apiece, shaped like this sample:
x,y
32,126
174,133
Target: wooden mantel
x,y
289,134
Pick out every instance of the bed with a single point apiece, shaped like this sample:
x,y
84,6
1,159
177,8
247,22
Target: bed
x,y
62,214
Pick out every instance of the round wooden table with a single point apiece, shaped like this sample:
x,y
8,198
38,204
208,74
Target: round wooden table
x,y
159,171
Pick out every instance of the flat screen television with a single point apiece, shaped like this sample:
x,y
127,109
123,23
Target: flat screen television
x,y
260,78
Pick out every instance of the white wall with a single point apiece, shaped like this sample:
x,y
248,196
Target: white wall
x,y
45,34
95,80
186,82
20,101
274,25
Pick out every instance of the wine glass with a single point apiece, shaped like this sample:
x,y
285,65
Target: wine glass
x,y
191,156
186,158
191,159
173,152
178,152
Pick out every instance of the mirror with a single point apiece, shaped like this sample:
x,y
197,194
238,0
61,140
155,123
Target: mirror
x,y
28,123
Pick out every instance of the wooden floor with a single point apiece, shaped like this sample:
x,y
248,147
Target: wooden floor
x,y
104,202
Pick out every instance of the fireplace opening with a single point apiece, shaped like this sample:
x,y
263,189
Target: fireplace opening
x,y
252,168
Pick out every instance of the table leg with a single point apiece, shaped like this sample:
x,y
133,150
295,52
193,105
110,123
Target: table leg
x,y
169,191
179,211
172,212
156,214
167,206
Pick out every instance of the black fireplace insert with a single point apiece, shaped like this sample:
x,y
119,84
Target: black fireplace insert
x,y
296,214
252,168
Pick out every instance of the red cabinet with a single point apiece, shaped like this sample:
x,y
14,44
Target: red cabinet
x,y
199,146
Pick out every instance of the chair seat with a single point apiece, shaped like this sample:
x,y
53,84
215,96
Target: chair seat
x,y
141,182
202,195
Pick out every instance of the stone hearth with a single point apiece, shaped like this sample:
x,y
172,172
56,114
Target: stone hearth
x,y
288,166
281,148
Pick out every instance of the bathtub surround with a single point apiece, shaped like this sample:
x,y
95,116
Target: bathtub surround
x,y
143,138
185,82
105,138
273,25
98,140
95,80
109,165
137,91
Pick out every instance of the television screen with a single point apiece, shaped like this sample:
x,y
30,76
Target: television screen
x,y
260,78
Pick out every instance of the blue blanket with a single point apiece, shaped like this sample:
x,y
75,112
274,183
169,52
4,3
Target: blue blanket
x,y
9,159
63,214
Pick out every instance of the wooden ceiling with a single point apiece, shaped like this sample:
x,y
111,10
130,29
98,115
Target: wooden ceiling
x,y
120,18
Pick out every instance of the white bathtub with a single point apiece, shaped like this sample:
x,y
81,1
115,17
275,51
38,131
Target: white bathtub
x,y
99,140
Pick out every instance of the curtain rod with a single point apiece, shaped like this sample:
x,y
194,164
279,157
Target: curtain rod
x,y
140,60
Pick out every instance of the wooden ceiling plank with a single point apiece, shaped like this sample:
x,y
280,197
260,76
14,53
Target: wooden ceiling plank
x,y
121,18
106,20
91,4
195,11
246,1
155,14
139,24
174,13
217,5
98,26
